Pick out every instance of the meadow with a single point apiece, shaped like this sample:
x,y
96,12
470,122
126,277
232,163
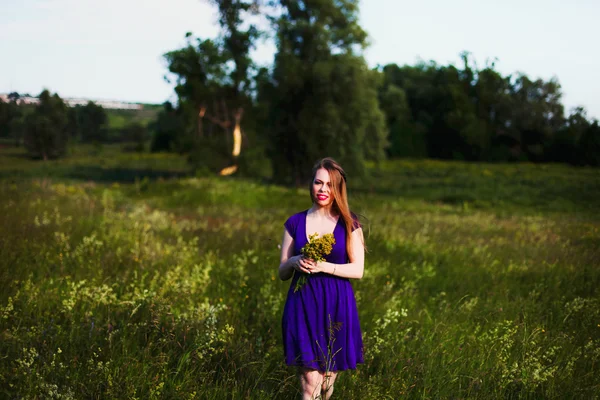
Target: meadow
x,y
125,276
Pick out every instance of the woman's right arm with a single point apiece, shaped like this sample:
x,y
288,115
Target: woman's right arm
x,y
289,262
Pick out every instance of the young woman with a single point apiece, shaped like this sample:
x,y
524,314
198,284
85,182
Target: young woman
x,y
321,331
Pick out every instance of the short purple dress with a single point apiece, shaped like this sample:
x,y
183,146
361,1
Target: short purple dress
x,y
320,323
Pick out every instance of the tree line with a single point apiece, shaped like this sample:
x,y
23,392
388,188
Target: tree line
x,y
479,115
319,97
45,129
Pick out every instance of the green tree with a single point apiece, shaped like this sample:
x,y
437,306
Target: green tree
x,y
409,129
589,146
565,146
537,114
323,95
213,87
407,139
471,113
45,130
491,96
8,112
166,129
73,127
11,119
202,103
92,123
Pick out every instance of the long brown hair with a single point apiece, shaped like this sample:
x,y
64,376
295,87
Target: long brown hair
x,y
337,178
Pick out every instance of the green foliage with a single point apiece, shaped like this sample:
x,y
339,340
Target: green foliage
x,y
589,145
319,98
118,119
238,41
253,160
477,114
406,138
322,96
9,114
166,130
199,70
210,96
45,130
91,123
210,154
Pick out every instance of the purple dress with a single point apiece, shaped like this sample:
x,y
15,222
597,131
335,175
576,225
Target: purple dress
x,y
320,322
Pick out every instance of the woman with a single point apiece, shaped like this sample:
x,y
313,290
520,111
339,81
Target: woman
x,y
321,331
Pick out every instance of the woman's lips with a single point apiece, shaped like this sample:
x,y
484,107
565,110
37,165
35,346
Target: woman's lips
x,y
322,197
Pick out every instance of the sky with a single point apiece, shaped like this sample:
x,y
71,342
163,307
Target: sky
x,y
112,49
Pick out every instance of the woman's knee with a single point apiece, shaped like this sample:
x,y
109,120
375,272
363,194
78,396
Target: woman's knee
x,y
312,376
312,379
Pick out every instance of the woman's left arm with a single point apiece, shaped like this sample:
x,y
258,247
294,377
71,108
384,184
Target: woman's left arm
x,y
352,270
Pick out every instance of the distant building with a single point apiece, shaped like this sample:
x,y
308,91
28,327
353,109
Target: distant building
x,y
74,101
118,105
20,100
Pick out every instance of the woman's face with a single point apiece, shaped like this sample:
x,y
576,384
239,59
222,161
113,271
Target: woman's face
x,y
321,188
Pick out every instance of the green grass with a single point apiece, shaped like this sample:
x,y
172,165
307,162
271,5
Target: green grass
x,y
106,163
125,276
118,119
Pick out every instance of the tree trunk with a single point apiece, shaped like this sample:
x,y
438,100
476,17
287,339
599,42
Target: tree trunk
x,y
237,134
201,113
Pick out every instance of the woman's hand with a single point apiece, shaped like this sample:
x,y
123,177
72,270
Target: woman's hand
x,y
316,266
301,264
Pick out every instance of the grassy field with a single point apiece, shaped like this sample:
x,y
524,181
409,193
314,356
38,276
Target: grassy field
x,y
118,119
125,276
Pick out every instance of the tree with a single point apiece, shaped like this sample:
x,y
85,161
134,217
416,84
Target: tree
x,y
407,98
11,120
493,106
536,114
323,95
471,113
46,128
213,87
14,96
6,117
407,139
92,123
565,144
166,129
589,145
201,79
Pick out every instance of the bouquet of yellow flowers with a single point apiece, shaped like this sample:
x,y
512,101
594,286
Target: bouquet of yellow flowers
x,y
316,249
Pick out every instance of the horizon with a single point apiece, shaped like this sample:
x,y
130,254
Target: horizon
x,y
29,95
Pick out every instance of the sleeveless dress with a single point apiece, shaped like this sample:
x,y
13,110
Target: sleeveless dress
x,y
320,323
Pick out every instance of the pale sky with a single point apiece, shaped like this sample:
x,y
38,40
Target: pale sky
x,y
112,49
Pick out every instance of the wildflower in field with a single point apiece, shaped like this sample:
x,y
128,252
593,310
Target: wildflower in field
x,y
316,249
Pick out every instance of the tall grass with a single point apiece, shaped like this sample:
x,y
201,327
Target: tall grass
x,y
481,282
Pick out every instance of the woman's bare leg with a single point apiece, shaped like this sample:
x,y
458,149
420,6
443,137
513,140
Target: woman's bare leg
x,y
311,382
327,385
